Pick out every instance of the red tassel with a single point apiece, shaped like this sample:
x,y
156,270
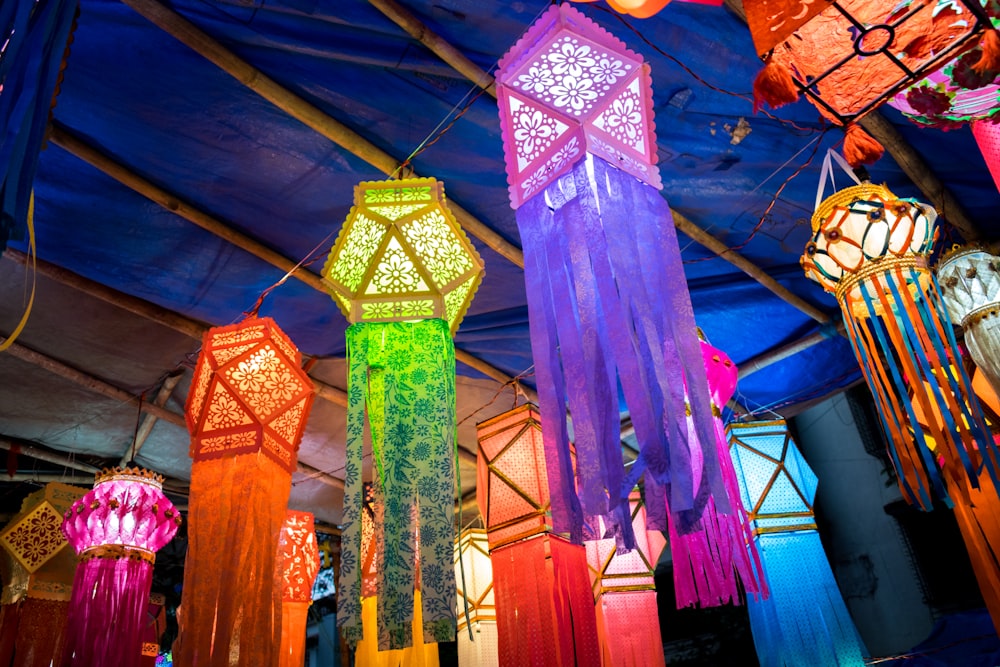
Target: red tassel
x,y
989,61
774,85
860,147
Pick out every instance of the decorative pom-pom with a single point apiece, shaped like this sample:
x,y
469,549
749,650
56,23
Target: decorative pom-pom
x,y
773,85
860,147
990,60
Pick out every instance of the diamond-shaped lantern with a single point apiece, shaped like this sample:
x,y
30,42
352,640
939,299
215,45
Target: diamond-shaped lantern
x,y
848,56
569,87
249,394
35,536
513,491
401,255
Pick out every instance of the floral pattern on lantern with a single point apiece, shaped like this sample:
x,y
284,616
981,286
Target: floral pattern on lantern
x,y
401,255
116,529
35,536
298,564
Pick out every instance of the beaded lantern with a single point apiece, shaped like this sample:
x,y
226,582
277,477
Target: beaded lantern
x,y
544,605
246,411
404,273
401,255
37,573
298,564
804,621
627,618
116,529
607,298
849,56
870,249
478,641
969,278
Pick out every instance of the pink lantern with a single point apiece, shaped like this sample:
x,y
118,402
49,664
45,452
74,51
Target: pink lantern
x,y
116,529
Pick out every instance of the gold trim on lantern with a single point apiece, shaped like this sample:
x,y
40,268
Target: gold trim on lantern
x,y
118,551
884,265
49,590
846,197
150,649
762,530
979,314
136,474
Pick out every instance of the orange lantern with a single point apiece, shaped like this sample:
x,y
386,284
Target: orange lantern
x,y
643,9
246,412
298,565
627,618
37,570
849,56
544,605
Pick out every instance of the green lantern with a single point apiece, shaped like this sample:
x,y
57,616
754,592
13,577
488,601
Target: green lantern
x,y
404,273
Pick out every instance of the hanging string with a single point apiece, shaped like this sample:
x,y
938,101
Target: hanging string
x,y
310,257
135,433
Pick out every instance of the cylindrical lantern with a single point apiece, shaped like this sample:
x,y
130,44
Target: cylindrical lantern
x,y
804,621
246,412
478,641
544,604
38,578
870,248
116,529
298,564
607,299
970,291
627,618
404,273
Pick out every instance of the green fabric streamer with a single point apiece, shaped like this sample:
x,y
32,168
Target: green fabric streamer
x,y
403,373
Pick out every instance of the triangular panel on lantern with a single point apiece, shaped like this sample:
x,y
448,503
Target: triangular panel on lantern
x,y
404,274
246,411
297,566
478,640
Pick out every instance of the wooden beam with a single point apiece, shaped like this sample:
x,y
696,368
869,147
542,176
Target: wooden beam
x,y
774,355
190,35
148,421
34,452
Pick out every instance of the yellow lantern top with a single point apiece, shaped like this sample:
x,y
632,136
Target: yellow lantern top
x,y
401,255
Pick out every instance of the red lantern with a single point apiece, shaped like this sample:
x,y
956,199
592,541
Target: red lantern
x,y
544,605
246,411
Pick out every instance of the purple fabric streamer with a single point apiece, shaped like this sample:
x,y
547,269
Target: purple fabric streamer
x,y
607,297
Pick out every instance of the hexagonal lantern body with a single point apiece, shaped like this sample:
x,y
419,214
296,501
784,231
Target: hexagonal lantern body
x,y
249,394
34,536
568,87
848,56
401,255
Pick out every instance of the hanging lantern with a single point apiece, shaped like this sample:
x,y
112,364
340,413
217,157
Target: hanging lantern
x,y
870,248
478,641
298,564
373,647
715,561
116,529
404,273
544,604
804,621
38,569
246,412
607,297
155,624
987,136
970,291
627,618
644,9
848,56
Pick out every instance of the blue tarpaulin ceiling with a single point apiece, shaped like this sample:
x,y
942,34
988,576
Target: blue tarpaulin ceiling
x,y
165,114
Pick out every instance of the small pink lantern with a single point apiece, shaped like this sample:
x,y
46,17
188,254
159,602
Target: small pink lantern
x,y
116,529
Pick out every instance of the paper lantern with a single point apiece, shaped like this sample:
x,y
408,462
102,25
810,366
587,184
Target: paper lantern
x,y
478,641
37,571
627,617
246,411
987,136
607,298
870,249
804,621
116,529
544,604
401,255
404,273
970,292
643,9
373,649
155,624
298,564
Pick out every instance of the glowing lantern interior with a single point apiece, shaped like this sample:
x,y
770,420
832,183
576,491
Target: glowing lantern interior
x,y
34,536
401,255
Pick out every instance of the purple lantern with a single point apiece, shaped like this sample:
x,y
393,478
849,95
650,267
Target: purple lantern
x,y
116,529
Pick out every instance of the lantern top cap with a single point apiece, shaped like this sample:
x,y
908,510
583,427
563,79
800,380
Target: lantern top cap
x,y
137,474
266,328
554,19
961,250
846,196
530,410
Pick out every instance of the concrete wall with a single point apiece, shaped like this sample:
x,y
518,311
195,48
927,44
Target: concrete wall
x,y
865,546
